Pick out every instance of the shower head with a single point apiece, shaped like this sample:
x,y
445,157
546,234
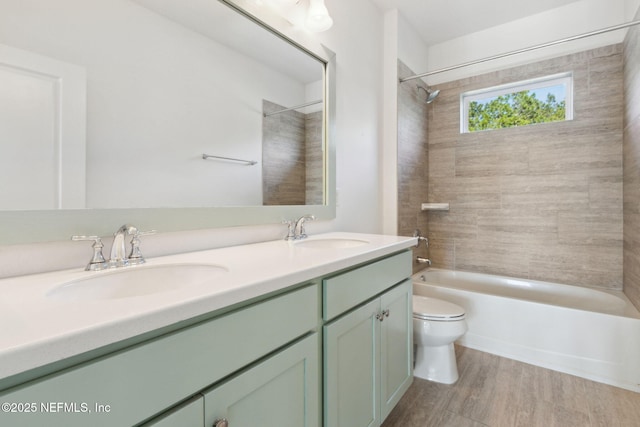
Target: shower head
x,y
431,94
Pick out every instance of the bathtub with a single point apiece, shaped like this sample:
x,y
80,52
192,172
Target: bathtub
x,y
590,333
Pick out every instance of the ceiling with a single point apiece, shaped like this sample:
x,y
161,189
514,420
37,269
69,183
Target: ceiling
x,y
440,20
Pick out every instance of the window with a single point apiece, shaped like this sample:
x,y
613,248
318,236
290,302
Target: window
x,y
541,100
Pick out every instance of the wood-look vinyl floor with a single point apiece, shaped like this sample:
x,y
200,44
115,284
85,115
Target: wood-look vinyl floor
x,y
495,391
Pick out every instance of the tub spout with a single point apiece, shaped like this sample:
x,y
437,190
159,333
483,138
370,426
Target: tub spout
x,y
422,260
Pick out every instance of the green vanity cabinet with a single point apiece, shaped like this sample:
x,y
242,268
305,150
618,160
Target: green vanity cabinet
x,y
335,351
368,349
282,391
133,385
396,346
190,414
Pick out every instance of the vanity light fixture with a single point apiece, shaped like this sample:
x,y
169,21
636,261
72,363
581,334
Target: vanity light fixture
x,y
318,18
311,15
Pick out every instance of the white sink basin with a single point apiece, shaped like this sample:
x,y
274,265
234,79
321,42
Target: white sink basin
x,y
331,243
136,281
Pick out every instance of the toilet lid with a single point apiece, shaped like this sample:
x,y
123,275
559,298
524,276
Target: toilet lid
x,y
435,309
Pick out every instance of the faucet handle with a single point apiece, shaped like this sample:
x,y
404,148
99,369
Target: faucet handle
x,y
421,238
135,256
291,229
97,260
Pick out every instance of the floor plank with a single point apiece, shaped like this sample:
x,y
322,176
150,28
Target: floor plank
x,y
497,392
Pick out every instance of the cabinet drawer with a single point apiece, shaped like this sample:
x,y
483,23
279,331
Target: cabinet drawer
x,y
190,414
144,380
349,289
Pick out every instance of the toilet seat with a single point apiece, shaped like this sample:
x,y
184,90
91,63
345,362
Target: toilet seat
x,y
425,308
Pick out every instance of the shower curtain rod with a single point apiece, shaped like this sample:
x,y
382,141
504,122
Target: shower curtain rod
x,y
527,49
293,108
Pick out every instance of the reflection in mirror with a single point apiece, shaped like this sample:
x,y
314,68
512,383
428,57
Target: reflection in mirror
x,y
292,155
111,104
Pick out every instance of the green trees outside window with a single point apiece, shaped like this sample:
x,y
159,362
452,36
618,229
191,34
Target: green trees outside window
x,y
537,100
515,109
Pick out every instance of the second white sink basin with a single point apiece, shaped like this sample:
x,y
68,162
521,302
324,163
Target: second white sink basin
x,y
331,243
136,281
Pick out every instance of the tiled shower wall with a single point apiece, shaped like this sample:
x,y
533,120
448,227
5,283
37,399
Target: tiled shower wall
x,y
541,201
292,157
413,159
314,159
632,165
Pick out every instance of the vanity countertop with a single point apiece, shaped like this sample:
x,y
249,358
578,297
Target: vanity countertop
x,y
39,329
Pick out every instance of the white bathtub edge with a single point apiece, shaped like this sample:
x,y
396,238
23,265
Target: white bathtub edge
x,y
554,361
595,346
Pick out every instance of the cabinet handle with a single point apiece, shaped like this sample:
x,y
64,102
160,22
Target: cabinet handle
x,y
221,423
382,315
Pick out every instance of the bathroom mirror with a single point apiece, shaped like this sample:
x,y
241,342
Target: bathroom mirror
x,y
168,114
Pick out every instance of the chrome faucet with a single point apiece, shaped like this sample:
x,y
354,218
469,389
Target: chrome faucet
x,y
119,257
118,252
421,238
422,260
299,230
295,229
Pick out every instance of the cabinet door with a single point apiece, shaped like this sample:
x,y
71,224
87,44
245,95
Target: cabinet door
x,y
281,391
190,414
396,346
351,347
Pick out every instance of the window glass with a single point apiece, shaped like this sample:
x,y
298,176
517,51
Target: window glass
x,y
542,100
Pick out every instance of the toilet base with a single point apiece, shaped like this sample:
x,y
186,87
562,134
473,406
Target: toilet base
x,y
436,364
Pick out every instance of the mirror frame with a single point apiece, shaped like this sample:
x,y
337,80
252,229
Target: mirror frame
x,y
20,227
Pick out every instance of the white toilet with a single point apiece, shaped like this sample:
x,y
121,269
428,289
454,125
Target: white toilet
x,y
436,325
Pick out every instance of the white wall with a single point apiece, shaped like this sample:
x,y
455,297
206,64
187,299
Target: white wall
x,y
401,41
411,49
357,38
570,20
631,8
389,148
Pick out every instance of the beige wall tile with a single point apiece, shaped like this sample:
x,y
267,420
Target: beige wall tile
x,y
518,195
283,157
546,192
591,266
594,229
525,227
575,154
508,259
441,253
606,193
442,162
476,201
450,225
631,149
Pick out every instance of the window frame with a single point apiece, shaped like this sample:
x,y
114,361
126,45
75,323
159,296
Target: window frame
x,y
565,79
